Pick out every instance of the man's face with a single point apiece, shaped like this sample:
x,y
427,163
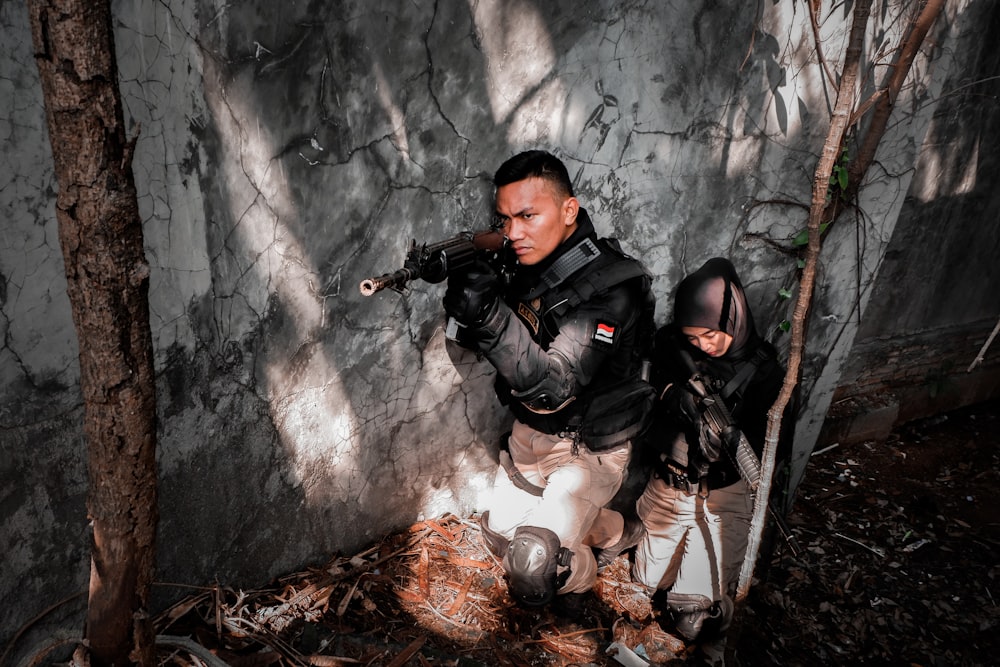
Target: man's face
x,y
535,218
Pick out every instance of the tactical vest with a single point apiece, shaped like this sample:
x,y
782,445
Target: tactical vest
x,y
617,406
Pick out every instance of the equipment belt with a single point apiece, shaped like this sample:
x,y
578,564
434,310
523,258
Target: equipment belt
x,y
716,479
679,482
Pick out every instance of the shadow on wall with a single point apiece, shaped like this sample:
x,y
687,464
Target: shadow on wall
x,y
305,419
348,419
934,305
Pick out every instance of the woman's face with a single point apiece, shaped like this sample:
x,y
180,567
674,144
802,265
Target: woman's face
x,y
712,342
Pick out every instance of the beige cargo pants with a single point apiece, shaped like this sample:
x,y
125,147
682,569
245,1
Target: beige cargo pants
x,y
692,544
576,486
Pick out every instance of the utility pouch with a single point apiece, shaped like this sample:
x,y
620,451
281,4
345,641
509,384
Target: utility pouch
x,y
620,413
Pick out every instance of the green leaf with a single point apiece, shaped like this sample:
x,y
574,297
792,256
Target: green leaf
x,y
784,293
842,178
801,263
802,238
785,325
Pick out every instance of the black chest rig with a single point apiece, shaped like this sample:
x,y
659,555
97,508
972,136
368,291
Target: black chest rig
x,y
680,464
615,407
595,266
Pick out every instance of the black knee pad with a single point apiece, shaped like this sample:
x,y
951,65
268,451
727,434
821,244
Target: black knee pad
x,y
495,542
717,623
532,563
697,618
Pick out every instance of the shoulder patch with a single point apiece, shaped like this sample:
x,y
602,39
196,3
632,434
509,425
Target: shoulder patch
x,y
605,333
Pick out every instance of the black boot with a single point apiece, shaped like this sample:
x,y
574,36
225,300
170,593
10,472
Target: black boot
x,y
631,534
571,606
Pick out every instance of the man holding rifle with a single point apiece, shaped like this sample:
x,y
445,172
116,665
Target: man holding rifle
x,y
564,332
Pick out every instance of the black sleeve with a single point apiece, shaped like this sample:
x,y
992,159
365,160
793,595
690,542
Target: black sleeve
x,y
667,365
571,361
760,394
668,369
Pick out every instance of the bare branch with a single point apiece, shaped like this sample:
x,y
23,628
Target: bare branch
x,y
821,183
886,101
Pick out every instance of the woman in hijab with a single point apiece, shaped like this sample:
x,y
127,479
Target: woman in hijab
x,y
696,508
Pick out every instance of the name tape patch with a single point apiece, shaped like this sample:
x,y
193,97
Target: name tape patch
x,y
529,314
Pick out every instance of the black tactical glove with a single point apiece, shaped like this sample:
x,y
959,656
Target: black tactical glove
x,y
681,405
713,441
472,294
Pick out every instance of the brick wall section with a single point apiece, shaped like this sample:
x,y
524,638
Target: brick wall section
x,y
893,380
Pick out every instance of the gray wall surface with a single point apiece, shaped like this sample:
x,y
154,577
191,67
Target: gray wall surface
x,y
288,150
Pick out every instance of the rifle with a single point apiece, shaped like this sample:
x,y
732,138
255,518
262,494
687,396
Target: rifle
x,y
433,262
720,422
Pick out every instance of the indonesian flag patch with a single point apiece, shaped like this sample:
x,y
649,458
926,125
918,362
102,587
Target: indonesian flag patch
x,y
605,333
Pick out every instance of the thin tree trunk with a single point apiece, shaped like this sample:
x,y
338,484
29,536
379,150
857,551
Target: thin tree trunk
x,y
886,101
821,183
824,209
108,280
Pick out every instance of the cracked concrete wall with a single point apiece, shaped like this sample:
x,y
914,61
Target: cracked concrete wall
x,y
934,304
288,150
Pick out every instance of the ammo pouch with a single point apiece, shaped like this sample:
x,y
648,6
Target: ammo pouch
x,y
619,413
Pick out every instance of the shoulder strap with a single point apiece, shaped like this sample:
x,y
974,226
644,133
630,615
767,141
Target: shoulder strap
x,y
738,381
574,259
617,268
609,276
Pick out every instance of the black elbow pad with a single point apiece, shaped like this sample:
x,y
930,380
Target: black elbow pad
x,y
554,392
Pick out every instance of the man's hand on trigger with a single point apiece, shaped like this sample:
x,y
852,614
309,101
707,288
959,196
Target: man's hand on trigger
x,y
472,294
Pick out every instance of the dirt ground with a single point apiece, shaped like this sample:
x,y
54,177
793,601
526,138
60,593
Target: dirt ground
x,y
902,553
899,567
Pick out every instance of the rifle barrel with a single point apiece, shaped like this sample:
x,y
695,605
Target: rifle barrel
x,y
396,279
434,261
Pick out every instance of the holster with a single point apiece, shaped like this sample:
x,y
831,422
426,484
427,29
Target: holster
x,y
676,477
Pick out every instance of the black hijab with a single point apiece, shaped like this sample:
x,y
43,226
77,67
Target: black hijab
x,y
712,297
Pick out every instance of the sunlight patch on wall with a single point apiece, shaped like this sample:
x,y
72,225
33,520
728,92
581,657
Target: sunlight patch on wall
x,y
540,117
397,119
305,394
938,173
519,56
481,486
440,501
318,434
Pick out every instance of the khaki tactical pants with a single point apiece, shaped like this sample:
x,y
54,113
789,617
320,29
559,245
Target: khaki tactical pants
x,y
576,488
692,545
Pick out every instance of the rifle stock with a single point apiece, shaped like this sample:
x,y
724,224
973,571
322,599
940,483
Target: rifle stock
x,y
433,262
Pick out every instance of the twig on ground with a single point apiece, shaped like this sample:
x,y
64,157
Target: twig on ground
x,y
875,550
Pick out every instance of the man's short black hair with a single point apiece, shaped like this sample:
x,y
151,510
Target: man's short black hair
x,y
540,164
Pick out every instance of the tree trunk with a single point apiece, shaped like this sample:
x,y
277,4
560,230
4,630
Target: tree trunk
x,y
839,123
886,97
108,280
